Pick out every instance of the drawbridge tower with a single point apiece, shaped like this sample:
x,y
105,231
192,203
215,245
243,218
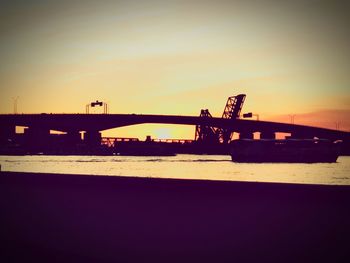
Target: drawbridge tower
x,y
205,133
210,134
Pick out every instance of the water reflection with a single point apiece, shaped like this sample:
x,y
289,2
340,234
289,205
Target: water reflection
x,y
212,167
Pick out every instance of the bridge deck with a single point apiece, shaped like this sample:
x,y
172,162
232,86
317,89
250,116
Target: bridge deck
x,y
100,122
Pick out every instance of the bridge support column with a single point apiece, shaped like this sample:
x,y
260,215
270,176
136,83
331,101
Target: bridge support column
x,y
92,138
6,133
267,135
73,138
7,138
36,139
246,135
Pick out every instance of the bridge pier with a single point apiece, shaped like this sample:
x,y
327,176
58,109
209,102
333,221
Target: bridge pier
x,y
73,138
36,139
7,132
246,135
267,135
7,138
93,138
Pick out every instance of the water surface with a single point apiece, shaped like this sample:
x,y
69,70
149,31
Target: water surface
x,y
212,167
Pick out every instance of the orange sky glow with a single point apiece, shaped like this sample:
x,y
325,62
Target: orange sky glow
x,y
177,57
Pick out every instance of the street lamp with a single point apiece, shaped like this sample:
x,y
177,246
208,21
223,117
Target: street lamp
x,y
250,115
292,116
337,125
15,101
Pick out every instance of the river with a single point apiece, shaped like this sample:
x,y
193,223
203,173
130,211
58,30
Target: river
x,y
185,166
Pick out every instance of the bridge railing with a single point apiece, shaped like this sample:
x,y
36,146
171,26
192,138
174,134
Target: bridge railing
x,y
110,141
173,140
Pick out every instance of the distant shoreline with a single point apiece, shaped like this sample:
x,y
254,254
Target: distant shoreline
x,y
115,218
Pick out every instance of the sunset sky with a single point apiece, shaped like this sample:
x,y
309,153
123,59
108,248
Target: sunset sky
x,y
177,57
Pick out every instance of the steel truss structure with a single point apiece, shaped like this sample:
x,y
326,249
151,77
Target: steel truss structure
x,y
210,134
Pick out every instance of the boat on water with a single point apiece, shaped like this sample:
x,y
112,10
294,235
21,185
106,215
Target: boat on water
x,y
285,151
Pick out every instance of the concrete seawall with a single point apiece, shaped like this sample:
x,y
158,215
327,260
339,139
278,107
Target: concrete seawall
x,y
56,218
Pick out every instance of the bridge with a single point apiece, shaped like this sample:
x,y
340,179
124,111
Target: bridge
x,y
93,124
209,130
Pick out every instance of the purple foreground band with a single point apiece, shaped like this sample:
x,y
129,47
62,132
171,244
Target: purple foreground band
x,y
60,218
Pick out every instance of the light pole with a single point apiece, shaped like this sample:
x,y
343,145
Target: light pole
x,y
337,125
257,116
15,101
292,116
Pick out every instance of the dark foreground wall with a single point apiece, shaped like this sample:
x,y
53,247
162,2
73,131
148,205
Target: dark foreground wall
x,y
72,218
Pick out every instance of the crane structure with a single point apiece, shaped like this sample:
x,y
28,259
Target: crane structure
x,y
210,134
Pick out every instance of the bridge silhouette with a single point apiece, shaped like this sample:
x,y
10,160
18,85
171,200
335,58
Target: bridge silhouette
x,y
92,123
37,132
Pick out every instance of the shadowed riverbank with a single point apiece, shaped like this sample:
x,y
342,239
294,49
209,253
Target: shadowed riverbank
x,y
56,218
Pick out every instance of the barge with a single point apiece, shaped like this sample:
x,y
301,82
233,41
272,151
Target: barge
x,y
284,151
